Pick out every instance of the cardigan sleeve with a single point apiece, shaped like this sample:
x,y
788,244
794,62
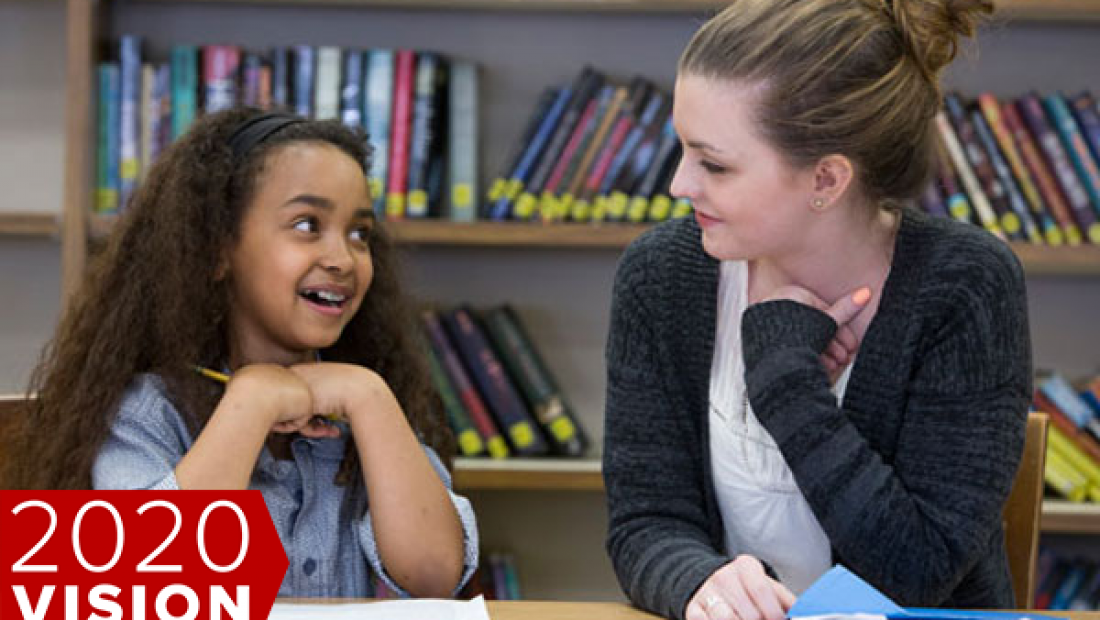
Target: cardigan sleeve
x,y
914,526
659,537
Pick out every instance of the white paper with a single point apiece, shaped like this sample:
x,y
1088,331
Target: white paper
x,y
412,609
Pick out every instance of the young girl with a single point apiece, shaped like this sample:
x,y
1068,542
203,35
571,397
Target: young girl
x,y
252,250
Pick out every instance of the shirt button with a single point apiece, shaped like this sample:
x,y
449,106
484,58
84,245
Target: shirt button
x,y
309,566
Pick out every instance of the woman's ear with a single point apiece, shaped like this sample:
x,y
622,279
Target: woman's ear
x,y
832,177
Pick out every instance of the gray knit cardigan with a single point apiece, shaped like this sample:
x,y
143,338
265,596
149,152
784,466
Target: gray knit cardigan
x,y
908,479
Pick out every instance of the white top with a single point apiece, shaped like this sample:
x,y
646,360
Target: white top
x,y
763,511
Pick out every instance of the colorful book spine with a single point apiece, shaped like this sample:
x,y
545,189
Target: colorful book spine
x,y
958,158
460,380
1031,109
1063,478
466,435
621,174
991,109
148,117
185,87
129,117
326,90
958,205
549,201
493,382
351,89
500,185
1044,179
502,208
600,166
577,175
421,136
400,133
220,66
981,166
162,95
535,382
1062,395
1018,219
251,66
462,157
1087,113
303,74
107,139
644,193
281,77
377,110
1075,456
1076,147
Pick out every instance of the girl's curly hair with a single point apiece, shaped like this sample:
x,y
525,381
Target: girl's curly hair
x,y
151,304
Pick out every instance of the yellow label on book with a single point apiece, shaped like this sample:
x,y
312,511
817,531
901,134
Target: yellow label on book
x,y
660,208
375,188
562,429
638,204
106,200
1073,235
525,206
548,206
418,202
564,206
496,190
958,207
581,210
128,168
521,434
469,442
1010,222
1094,232
513,188
395,204
599,209
462,196
1054,236
617,204
681,208
497,448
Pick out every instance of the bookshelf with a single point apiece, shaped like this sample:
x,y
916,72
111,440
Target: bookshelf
x,y
28,225
551,513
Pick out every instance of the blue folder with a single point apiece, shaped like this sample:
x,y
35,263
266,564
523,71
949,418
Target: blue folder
x,y
840,592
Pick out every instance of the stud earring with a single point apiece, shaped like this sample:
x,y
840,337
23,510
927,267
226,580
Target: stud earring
x,y
818,204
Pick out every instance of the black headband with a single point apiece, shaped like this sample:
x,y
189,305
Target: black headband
x,y
257,129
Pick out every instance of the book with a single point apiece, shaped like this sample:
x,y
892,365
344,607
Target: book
x,y
585,87
425,137
986,216
1018,219
1078,460
535,382
502,208
280,77
991,110
932,201
1059,475
491,380
351,89
462,156
574,183
220,67
634,157
107,139
982,167
377,110
1087,113
1044,178
1067,589
404,83
185,86
303,74
129,86
549,202
466,434
444,351
1076,147
500,184
1061,394
1031,110
1086,442
326,88
1085,600
958,205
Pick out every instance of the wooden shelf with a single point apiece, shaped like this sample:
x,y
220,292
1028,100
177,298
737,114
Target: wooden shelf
x,y
1049,10
1064,517
523,474
516,234
29,225
1076,261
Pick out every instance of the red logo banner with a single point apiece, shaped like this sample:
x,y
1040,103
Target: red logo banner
x,y
137,555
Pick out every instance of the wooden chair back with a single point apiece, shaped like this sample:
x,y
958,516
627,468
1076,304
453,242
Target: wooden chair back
x,y
1023,510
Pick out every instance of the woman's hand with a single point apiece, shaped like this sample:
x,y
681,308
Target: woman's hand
x,y
842,349
740,590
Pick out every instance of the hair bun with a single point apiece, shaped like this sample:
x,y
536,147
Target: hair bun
x,y
931,28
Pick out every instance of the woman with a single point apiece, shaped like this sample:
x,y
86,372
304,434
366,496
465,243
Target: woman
x,y
806,373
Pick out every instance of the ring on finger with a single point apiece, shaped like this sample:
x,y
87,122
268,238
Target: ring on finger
x,y
711,601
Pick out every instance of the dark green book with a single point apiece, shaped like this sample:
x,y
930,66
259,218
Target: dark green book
x,y
534,381
466,435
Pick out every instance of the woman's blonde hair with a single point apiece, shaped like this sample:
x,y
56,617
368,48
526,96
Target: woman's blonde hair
x,y
859,78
